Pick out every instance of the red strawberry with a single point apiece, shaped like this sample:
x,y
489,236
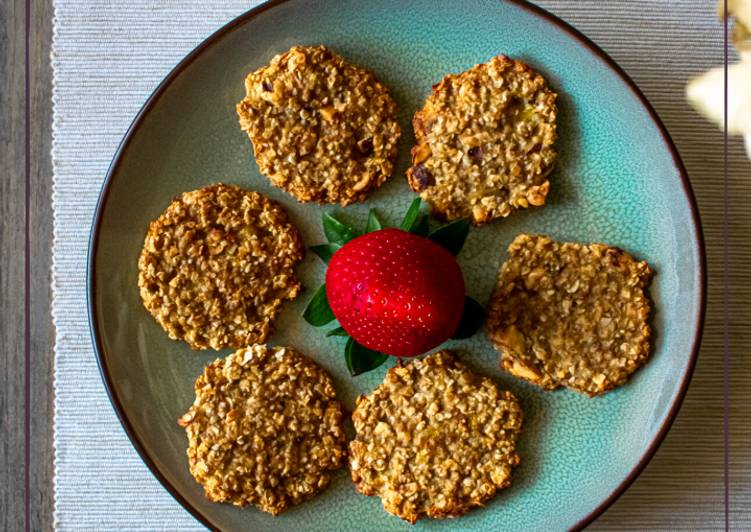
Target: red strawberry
x,y
395,292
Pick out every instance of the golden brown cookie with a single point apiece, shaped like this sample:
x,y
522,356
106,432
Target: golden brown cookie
x,y
573,315
217,265
322,129
434,439
265,429
485,142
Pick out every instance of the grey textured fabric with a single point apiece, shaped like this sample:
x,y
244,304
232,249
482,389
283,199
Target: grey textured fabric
x,y
115,53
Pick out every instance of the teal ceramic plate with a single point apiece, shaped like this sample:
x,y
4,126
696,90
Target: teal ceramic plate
x,y
618,180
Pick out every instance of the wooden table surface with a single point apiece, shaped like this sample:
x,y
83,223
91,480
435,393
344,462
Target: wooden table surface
x,y
13,105
682,488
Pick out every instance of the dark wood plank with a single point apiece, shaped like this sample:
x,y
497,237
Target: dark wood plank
x,y
12,201
42,332
12,233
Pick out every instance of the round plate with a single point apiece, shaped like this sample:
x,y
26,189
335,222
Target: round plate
x,y
618,180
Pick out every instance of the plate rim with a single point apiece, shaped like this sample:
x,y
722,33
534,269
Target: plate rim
x,y
588,45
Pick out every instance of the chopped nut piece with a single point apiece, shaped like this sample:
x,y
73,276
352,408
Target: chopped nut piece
x,y
536,195
437,452
525,372
420,153
563,314
512,338
479,214
328,113
279,441
360,185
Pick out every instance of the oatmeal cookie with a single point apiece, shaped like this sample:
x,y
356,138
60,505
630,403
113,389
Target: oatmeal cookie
x,y
485,142
573,315
322,129
217,265
434,439
265,429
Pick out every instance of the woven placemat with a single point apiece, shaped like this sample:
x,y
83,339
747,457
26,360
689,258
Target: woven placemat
x,y
109,55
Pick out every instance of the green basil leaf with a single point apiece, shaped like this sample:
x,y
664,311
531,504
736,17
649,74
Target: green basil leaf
x,y
451,236
337,231
361,359
473,316
318,312
374,223
412,217
325,251
339,331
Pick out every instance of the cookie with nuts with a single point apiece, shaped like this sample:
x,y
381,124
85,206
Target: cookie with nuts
x,y
568,314
217,265
485,142
265,429
323,129
434,439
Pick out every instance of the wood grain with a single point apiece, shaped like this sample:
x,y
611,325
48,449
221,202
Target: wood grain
x,y
12,201
12,241
42,333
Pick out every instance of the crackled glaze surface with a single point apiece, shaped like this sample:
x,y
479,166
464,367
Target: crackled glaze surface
x,y
615,181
